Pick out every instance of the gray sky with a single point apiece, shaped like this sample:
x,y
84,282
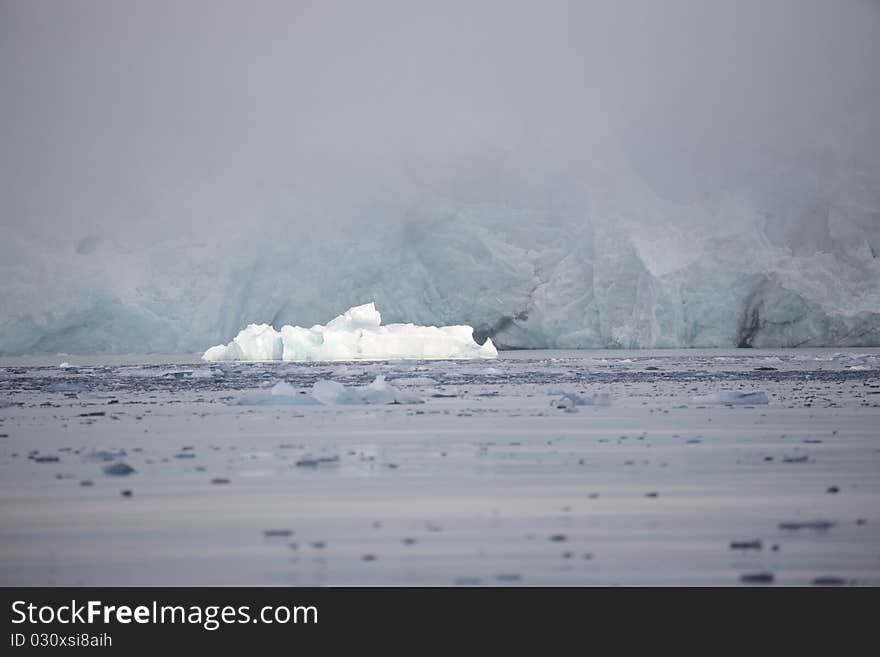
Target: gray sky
x,y
140,118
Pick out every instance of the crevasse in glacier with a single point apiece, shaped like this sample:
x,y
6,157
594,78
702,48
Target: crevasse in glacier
x,y
357,334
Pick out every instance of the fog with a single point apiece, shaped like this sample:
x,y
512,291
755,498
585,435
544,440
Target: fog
x,y
310,124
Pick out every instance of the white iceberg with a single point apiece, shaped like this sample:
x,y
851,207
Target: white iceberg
x,y
357,334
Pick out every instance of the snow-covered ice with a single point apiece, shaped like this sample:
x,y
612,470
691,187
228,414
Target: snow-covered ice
x,y
357,334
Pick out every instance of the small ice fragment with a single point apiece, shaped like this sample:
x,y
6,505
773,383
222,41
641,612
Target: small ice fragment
x,y
119,469
48,458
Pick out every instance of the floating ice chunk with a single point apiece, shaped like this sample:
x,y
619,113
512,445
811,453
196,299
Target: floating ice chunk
x,y
119,469
378,392
64,365
357,334
570,399
281,394
733,397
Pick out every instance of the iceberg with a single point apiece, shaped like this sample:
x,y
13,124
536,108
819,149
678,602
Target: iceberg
x,y
357,334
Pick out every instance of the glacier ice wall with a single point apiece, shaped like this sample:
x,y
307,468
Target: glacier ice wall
x,y
618,265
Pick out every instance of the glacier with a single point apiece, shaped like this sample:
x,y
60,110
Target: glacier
x,y
357,334
605,257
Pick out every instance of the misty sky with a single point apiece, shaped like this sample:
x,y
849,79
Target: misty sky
x,y
133,117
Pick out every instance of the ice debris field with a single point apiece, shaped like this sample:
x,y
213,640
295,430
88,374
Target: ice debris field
x,y
357,334
716,467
